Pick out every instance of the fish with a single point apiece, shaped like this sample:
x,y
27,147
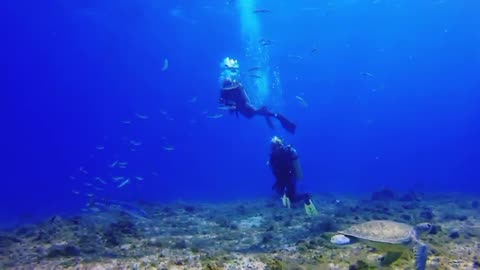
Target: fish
x,y
88,184
168,148
165,65
366,74
98,188
256,76
155,173
83,170
301,101
226,108
123,163
215,116
142,116
261,10
135,143
114,164
193,100
294,56
117,178
100,147
72,177
314,50
253,69
100,180
124,183
122,167
265,42
127,122
139,178
76,192
90,195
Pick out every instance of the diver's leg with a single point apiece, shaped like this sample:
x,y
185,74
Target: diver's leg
x,y
292,190
265,112
248,111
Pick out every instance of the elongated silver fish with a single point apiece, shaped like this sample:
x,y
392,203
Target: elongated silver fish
x,y
124,183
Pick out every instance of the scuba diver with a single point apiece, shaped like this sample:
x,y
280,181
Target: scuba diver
x,y
286,168
235,98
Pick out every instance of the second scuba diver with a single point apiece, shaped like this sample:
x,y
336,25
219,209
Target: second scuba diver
x,y
286,168
235,98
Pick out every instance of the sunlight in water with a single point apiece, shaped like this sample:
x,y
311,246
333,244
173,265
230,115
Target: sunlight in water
x,y
256,54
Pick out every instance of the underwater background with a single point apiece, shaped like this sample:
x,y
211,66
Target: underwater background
x,y
385,94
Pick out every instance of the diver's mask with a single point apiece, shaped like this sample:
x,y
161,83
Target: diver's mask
x,y
276,143
230,70
231,64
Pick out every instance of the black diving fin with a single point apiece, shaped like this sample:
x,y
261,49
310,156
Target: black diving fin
x,y
286,124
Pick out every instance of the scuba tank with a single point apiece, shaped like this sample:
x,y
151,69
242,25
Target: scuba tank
x,y
297,168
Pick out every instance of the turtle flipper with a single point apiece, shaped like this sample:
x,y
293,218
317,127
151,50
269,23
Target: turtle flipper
x,y
421,254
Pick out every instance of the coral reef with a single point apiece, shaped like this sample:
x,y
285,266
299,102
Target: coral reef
x,y
245,235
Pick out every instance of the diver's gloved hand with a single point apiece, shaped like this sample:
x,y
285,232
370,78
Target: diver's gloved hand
x,y
310,208
286,201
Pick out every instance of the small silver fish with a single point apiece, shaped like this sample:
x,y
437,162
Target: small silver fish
x,y
100,147
82,170
136,143
124,183
301,101
294,56
165,65
227,108
366,74
117,178
127,122
76,192
142,116
114,164
215,116
139,178
168,148
261,10
100,180
193,100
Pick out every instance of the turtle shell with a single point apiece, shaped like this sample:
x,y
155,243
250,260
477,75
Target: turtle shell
x,y
384,231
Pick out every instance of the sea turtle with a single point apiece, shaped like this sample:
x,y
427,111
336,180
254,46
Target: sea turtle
x,y
386,231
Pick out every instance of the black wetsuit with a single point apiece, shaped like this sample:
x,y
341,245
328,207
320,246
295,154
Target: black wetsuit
x,y
237,98
282,165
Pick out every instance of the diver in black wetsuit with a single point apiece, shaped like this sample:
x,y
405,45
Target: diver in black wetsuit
x,y
233,95
286,168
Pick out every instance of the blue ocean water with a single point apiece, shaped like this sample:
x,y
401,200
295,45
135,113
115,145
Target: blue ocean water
x,y
390,90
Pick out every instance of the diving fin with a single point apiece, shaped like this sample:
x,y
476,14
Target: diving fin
x,y
286,201
310,208
286,124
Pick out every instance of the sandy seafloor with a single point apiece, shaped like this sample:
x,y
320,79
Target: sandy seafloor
x,y
250,234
